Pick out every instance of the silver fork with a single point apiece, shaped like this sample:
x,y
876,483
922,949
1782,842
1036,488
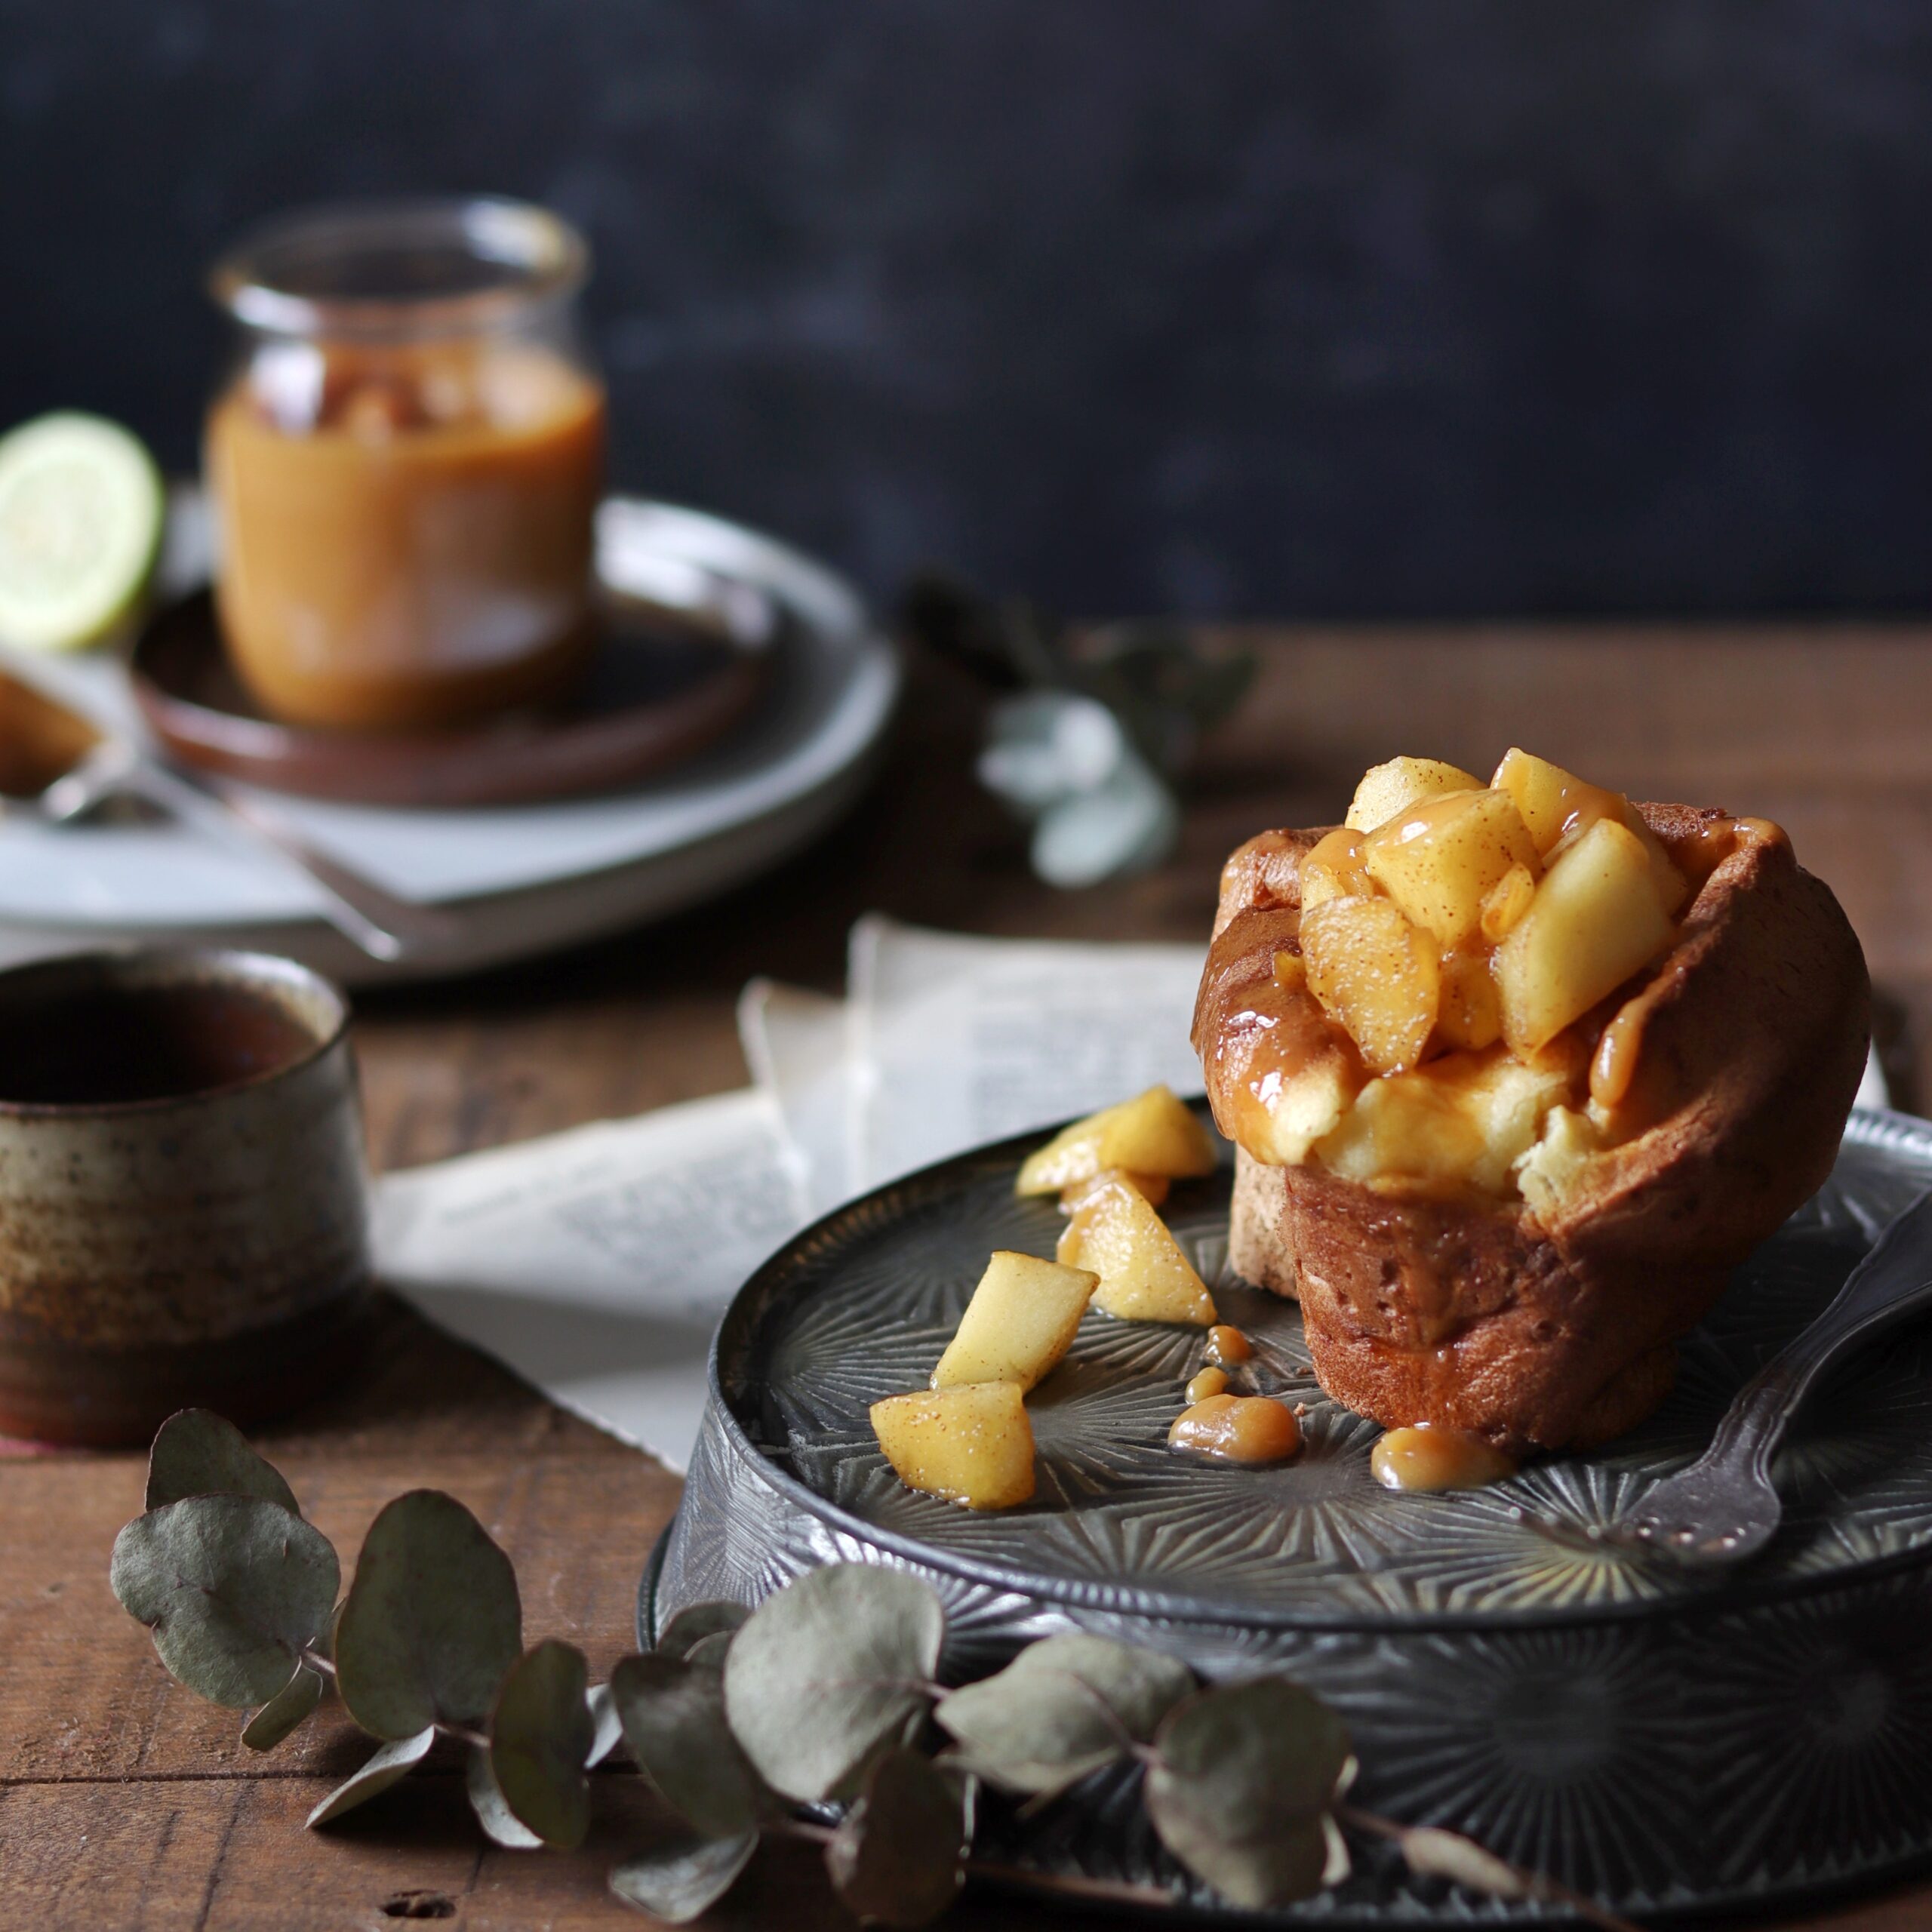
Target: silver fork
x,y
1724,1506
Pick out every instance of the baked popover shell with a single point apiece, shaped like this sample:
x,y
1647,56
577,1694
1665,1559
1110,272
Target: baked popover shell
x,y
1540,1330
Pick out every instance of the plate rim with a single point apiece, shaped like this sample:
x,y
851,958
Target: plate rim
x,y
827,609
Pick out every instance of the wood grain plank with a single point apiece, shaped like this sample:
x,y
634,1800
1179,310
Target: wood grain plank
x,y
199,1856
83,1696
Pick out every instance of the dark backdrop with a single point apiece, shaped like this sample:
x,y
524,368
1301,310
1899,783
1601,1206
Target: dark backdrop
x,y
1231,306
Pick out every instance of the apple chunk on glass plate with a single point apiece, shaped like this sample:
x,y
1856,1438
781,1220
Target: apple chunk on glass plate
x,y
1144,1276
1152,1134
971,1444
1152,1188
1020,1322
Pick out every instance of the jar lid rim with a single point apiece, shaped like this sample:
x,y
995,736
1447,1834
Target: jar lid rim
x,y
321,271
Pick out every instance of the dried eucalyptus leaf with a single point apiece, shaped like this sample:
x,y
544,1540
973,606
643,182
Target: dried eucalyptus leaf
x,y
1063,1708
501,1825
432,1622
683,1877
606,1727
898,1857
198,1452
1126,824
1434,1853
233,1588
673,1713
1045,745
392,1763
698,1621
540,1735
829,1671
284,1710
1240,1788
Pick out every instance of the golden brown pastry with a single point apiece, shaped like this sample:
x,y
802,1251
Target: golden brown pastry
x,y
1518,1073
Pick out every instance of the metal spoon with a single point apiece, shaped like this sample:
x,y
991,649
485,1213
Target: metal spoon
x,y
1724,1507
371,918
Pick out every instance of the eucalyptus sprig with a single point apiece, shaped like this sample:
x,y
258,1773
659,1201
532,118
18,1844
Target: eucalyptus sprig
x,y
828,1694
1095,727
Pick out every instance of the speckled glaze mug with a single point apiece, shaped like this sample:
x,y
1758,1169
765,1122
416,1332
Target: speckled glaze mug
x,y
183,1199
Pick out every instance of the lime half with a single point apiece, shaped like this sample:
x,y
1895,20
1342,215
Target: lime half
x,y
80,506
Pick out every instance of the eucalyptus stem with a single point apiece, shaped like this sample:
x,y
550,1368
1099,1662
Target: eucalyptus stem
x,y
1109,1891
1535,1884
232,1580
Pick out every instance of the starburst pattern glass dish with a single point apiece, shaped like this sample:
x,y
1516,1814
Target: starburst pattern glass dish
x,y
1665,1739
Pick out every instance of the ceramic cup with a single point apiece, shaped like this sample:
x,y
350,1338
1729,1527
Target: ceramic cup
x,y
183,1203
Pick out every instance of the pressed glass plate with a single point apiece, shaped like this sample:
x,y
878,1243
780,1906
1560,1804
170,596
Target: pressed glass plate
x,y
1664,1740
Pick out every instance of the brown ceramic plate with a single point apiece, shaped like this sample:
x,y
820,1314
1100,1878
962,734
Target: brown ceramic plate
x,y
659,689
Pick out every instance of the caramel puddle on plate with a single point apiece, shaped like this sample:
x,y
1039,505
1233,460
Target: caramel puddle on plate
x,y
1211,1381
1227,1346
1237,1429
1425,1459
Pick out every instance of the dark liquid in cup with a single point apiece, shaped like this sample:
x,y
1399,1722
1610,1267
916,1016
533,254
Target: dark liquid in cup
x,y
98,1048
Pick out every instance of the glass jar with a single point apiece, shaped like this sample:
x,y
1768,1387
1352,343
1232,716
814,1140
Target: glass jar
x,y
405,461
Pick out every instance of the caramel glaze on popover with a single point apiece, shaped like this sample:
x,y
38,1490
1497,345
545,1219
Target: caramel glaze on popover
x,y
1553,1325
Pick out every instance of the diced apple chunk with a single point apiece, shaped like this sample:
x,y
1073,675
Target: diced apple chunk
x,y
1333,869
1559,808
1506,902
1153,1188
971,1444
1298,1109
1469,1011
1439,859
1385,789
1020,1322
1595,920
1152,1134
1554,803
1144,1276
1375,974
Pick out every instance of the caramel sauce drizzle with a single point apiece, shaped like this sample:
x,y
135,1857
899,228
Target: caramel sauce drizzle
x,y
1237,1429
1227,1346
1426,1459
1211,1381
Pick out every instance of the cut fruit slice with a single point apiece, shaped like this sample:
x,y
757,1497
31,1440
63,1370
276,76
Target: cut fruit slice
x,y
1153,1188
1440,858
1376,976
1333,869
1020,1322
1152,1134
1386,789
80,507
1144,1276
972,1444
1595,921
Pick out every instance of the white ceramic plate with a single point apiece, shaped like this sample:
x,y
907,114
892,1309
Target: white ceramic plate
x,y
522,879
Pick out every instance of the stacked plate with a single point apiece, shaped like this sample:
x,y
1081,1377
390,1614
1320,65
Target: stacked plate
x,y
523,878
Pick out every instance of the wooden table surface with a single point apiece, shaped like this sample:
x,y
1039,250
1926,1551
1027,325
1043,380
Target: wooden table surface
x,y
125,1802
